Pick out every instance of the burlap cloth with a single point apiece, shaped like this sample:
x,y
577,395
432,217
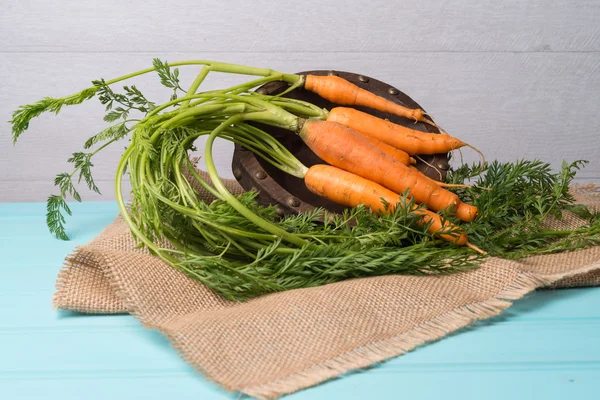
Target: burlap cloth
x,y
283,342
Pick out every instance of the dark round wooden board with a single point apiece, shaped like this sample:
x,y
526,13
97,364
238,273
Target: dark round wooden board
x,y
289,193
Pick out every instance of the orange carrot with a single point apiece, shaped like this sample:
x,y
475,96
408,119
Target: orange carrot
x,y
350,190
340,146
401,156
340,91
409,140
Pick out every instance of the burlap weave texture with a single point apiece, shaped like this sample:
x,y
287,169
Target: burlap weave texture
x,y
283,342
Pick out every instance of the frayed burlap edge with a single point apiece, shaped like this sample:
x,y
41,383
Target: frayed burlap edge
x,y
62,281
362,357
433,329
117,284
60,297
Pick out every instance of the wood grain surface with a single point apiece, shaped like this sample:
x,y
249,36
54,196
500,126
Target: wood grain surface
x,y
544,347
516,79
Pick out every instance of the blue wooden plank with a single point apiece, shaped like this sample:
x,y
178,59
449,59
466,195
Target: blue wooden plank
x,y
544,346
40,247
18,251
17,279
497,345
8,210
550,385
114,348
517,379
547,385
33,227
560,303
34,312
109,385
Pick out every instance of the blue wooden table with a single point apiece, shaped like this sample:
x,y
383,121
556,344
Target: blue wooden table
x,y
545,347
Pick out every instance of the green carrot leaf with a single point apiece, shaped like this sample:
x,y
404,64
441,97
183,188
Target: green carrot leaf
x,y
580,210
167,78
114,132
54,217
24,114
65,183
137,99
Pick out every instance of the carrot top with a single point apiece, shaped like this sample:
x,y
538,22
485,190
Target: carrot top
x,y
242,249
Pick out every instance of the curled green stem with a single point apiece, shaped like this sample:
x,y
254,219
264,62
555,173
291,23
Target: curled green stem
x,y
235,203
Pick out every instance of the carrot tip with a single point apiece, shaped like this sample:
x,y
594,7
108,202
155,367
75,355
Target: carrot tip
x,y
429,120
442,130
466,212
477,249
479,152
453,185
430,165
462,161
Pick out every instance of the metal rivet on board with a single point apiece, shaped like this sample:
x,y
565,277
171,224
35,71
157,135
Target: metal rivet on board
x,y
443,165
393,91
237,173
363,79
333,73
260,174
293,202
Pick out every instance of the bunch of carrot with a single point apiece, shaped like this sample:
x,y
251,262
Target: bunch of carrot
x,y
369,162
369,158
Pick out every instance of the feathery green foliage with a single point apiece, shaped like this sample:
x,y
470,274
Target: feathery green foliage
x,y
242,249
515,207
167,78
114,132
120,105
24,114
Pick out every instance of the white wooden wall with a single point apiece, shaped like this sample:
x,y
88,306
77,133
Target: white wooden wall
x,y
518,79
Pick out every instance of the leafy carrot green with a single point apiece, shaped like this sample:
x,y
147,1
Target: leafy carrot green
x,y
242,249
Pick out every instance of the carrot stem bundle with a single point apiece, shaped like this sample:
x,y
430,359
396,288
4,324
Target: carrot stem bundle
x,y
241,249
